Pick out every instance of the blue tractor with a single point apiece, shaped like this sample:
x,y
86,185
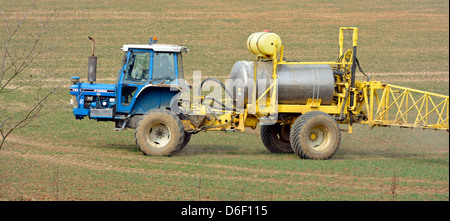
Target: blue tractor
x,y
149,77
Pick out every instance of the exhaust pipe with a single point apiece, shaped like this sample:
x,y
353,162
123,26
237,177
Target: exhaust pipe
x,y
92,68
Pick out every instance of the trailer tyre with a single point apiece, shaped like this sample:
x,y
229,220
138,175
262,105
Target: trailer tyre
x,y
276,138
159,133
187,138
315,135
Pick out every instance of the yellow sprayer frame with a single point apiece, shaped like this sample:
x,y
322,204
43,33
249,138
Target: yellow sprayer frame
x,y
405,107
367,102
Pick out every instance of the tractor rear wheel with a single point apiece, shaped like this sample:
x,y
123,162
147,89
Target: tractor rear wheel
x,y
276,138
159,133
315,135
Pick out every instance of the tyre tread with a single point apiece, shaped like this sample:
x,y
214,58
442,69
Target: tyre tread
x,y
271,143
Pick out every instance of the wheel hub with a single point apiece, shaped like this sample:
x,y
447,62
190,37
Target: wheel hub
x,y
159,133
318,137
313,136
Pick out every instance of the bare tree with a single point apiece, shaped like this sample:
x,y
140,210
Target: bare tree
x,y
19,48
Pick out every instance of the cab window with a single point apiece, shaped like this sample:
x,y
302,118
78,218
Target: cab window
x,y
137,68
180,66
163,67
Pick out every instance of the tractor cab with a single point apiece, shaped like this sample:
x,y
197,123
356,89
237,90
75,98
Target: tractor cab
x,y
145,70
146,80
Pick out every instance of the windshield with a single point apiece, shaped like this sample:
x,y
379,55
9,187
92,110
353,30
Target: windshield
x,y
137,69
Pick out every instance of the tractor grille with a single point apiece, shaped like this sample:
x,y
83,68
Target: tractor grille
x,y
107,112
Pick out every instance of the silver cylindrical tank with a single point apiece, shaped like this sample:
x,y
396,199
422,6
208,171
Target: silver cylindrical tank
x,y
296,83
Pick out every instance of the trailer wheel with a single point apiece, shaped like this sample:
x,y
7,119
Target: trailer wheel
x,y
276,138
315,135
159,133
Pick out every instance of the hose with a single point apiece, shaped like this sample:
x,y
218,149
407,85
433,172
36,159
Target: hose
x,y
223,86
217,81
220,103
360,69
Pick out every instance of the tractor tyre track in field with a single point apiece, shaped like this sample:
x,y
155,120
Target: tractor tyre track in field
x,y
75,156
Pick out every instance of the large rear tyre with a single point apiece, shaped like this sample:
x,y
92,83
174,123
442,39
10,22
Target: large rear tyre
x,y
276,138
315,135
159,133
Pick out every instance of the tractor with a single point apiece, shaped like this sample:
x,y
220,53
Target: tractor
x,y
147,80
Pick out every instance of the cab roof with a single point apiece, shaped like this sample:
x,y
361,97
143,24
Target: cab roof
x,y
157,47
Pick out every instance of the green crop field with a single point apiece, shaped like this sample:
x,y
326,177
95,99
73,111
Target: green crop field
x,y
59,158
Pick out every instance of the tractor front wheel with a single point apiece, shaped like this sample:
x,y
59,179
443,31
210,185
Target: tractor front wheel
x,y
159,133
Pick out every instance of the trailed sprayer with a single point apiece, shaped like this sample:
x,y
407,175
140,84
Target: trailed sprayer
x,y
300,106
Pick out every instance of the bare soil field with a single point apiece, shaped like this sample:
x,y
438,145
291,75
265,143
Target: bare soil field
x,y
70,158
58,158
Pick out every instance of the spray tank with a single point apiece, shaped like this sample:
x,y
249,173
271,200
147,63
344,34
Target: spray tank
x,y
296,82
